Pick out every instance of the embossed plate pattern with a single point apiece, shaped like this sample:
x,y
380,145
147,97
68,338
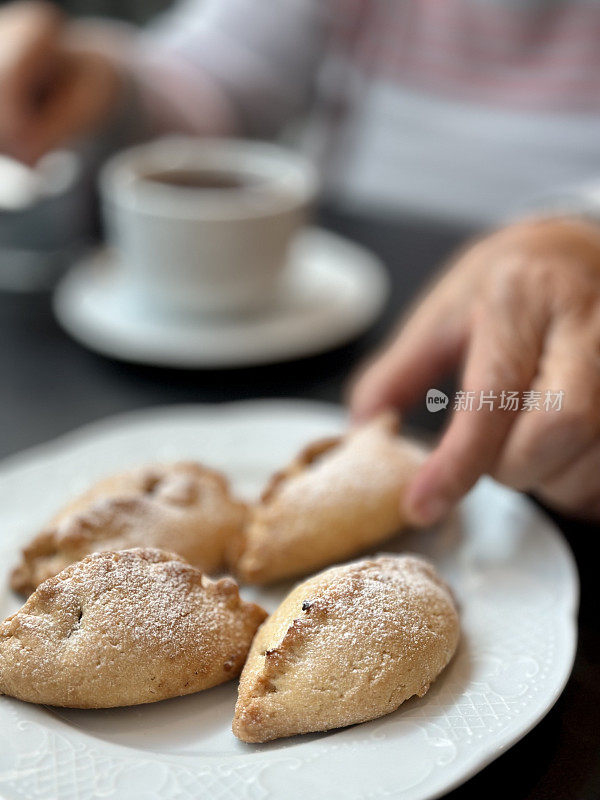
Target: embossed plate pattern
x,y
511,570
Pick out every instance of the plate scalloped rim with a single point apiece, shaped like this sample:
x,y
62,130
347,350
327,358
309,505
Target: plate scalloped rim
x,y
496,689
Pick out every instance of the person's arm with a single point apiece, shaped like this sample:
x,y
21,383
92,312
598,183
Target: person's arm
x,y
220,67
260,56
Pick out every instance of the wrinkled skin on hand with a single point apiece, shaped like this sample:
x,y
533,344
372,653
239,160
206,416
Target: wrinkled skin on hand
x,y
518,311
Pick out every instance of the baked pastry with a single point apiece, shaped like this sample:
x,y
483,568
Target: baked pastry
x,y
336,499
122,628
346,646
182,507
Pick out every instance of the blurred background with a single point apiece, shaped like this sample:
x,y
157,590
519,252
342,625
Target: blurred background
x,y
137,11
36,246
38,242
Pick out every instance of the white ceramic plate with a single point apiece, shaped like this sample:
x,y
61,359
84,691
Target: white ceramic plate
x,y
332,291
511,570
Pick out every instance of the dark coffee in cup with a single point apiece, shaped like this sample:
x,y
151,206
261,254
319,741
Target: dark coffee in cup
x,y
202,179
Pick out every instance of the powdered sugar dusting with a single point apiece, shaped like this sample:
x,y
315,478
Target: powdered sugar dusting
x,y
183,507
390,460
349,644
326,509
391,598
118,615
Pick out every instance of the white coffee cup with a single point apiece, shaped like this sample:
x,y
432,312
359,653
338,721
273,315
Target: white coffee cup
x,y
205,249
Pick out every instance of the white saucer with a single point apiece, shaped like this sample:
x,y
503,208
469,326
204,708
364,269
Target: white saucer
x,y
333,290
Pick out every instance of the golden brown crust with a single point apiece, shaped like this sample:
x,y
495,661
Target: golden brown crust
x,y
336,499
346,646
183,507
123,628
305,458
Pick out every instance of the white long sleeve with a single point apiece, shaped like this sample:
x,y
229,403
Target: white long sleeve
x,y
250,64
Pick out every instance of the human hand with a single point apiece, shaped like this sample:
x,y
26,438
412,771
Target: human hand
x,y
54,83
520,310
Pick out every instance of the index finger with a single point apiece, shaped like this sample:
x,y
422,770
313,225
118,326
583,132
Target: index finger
x,y
497,361
427,346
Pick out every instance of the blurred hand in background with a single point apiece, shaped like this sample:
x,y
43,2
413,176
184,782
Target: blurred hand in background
x,y
521,310
55,84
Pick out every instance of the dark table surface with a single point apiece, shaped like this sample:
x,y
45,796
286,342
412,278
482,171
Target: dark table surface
x,y
50,385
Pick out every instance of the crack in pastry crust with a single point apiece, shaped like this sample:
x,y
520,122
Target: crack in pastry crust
x,y
183,507
346,646
306,458
123,628
336,499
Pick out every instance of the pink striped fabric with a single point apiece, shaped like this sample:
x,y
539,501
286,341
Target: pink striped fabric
x,y
542,55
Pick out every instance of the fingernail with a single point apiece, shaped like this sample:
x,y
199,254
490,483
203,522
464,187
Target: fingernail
x,y
427,510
